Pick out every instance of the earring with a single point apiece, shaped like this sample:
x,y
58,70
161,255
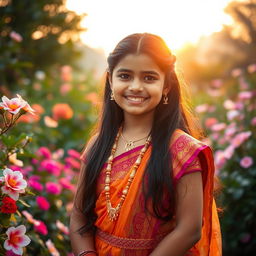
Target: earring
x,y
112,96
166,99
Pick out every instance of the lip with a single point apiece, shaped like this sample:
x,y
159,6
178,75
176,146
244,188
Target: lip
x,y
135,99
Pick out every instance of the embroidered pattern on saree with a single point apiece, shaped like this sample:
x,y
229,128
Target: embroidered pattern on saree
x,y
128,243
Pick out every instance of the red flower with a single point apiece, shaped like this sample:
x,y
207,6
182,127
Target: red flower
x,y
9,205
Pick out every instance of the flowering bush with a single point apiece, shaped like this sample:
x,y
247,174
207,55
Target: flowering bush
x,y
230,122
12,184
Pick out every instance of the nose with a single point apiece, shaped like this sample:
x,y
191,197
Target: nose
x,y
135,85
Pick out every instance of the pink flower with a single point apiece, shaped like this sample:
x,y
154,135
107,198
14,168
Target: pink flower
x,y
65,183
210,121
228,152
74,153
14,183
13,105
40,227
236,72
217,83
27,107
44,151
28,216
71,162
240,138
218,127
52,166
220,160
42,203
35,184
16,36
52,249
246,95
66,74
62,227
251,68
53,188
253,121
202,108
16,239
65,88
246,162
11,253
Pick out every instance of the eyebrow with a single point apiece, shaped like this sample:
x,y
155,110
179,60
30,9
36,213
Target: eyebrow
x,y
130,71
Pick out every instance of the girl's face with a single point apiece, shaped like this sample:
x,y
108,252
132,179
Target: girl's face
x,y
137,84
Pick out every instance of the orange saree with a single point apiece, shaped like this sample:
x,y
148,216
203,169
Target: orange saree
x,y
137,233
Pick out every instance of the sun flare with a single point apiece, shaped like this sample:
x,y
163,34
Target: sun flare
x,y
178,22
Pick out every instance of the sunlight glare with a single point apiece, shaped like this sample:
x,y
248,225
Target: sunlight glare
x,y
178,22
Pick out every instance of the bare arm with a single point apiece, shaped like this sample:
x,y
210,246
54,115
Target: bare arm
x,y
189,218
77,219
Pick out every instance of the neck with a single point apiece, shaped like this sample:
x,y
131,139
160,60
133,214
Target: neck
x,y
136,127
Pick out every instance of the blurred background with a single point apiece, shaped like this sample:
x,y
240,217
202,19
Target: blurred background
x,y
53,53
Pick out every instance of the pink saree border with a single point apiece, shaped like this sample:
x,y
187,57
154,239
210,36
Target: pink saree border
x,y
189,161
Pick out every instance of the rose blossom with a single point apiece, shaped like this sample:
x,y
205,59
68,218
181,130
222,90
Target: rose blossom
x,y
14,183
16,239
51,166
62,111
40,227
246,162
8,205
53,188
42,203
34,183
44,151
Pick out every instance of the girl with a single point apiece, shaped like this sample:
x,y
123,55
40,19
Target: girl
x,y
146,185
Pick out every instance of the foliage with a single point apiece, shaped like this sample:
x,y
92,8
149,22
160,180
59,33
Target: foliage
x,y
35,35
231,125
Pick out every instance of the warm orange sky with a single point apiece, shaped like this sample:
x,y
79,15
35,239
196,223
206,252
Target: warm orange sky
x,y
178,22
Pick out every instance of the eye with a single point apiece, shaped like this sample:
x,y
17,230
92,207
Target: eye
x,y
150,78
124,76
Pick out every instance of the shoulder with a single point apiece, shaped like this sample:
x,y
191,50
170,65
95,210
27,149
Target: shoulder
x,y
88,146
187,152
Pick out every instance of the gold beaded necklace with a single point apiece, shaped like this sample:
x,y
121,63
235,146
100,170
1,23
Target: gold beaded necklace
x,y
113,212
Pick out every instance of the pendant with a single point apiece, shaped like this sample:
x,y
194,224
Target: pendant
x,y
112,213
129,145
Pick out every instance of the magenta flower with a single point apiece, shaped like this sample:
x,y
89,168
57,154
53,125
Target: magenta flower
x,y
74,153
53,188
33,183
40,227
16,239
246,162
240,138
42,203
71,162
14,184
44,151
52,166
65,183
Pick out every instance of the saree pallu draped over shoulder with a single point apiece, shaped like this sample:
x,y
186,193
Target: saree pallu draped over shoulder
x,y
136,233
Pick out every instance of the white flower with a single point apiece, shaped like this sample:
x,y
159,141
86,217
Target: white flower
x,y
14,184
16,239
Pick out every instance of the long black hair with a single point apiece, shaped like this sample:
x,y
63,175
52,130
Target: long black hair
x,y
167,118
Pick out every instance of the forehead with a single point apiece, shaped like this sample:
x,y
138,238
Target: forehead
x,y
137,62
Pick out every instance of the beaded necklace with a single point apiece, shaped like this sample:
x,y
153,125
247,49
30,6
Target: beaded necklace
x,y
113,212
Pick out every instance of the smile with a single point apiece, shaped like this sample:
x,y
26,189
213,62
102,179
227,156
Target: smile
x,y
136,99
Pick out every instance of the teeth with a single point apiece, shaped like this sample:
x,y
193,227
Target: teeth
x,y
137,99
